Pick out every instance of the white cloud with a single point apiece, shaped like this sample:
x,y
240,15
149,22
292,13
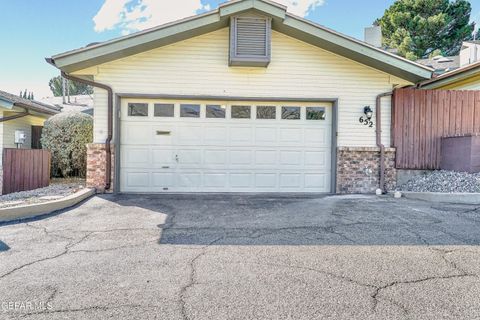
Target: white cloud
x,y
134,15
301,7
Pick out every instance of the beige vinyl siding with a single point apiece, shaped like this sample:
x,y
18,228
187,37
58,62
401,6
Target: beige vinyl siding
x,y
469,84
199,66
24,123
474,85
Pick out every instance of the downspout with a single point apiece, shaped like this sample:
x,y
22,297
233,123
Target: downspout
x,y
108,150
378,124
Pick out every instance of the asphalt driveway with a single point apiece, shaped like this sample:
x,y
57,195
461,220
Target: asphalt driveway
x,y
244,257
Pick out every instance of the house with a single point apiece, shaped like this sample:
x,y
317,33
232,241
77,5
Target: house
x,y
441,64
76,103
470,52
244,98
464,78
21,123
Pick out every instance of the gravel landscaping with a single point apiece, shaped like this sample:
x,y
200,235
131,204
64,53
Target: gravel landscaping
x,y
444,181
57,189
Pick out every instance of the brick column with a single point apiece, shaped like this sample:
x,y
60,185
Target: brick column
x,y
358,169
96,164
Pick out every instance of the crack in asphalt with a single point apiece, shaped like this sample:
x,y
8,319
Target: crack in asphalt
x,y
327,273
73,242
52,296
192,278
395,283
65,251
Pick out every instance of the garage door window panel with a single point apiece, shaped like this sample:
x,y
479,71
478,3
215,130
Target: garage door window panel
x,y
163,110
266,112
291,113
138,109
215,111
316,113
241,112
190,110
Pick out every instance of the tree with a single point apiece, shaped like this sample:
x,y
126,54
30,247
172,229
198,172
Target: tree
x,y
74,87
66,136
418,27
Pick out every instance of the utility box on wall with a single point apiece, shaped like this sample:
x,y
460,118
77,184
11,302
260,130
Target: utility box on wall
x,y
461,153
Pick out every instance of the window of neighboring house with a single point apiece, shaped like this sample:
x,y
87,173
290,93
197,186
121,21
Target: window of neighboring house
x,y
241,112
316,113
190,110
266,112
138,109
163,110
291,113
215,111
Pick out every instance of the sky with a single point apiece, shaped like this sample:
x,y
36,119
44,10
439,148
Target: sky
x,y
35,29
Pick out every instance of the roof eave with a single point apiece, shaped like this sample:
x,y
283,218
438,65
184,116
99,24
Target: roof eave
x,y
448,79
282,21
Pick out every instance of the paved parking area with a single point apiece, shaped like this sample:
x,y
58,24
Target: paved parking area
x,y
244,257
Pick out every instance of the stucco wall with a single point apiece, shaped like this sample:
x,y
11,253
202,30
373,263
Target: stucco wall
x,y
199,66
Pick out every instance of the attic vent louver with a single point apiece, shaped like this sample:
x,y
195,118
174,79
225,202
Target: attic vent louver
x,y
250,41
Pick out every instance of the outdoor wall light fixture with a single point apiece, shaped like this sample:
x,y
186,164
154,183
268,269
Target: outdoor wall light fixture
x,y
366,119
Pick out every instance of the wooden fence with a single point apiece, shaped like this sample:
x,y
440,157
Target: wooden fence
x,y
420,118
25,169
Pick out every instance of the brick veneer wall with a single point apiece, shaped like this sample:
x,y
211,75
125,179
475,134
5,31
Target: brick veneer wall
x,y
96,163
358,169
1,179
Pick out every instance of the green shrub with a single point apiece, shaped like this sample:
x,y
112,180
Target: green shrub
x,y
66,136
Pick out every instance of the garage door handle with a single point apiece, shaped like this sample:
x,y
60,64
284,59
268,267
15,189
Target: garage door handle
x,y
163,133
176,157
165,167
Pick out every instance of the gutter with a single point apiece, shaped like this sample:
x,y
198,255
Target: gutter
x,y
108,150
378,124
15,116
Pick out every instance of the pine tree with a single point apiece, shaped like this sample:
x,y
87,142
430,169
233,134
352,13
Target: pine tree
x,y
418,27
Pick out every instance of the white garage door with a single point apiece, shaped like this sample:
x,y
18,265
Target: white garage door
x,y
198,146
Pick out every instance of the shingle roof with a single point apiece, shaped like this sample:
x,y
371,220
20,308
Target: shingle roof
x,y
465,72
29,104
78,103
442,65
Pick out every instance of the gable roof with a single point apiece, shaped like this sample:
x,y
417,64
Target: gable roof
x,y
461,74
282,21
8,100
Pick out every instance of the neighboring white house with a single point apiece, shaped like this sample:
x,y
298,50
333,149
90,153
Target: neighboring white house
x,y
21,121
75,103
469,53
245,98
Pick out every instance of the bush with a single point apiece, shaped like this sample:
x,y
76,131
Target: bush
x,y
66,136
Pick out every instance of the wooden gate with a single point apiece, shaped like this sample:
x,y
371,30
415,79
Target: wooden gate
x,y
25,169
420,118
